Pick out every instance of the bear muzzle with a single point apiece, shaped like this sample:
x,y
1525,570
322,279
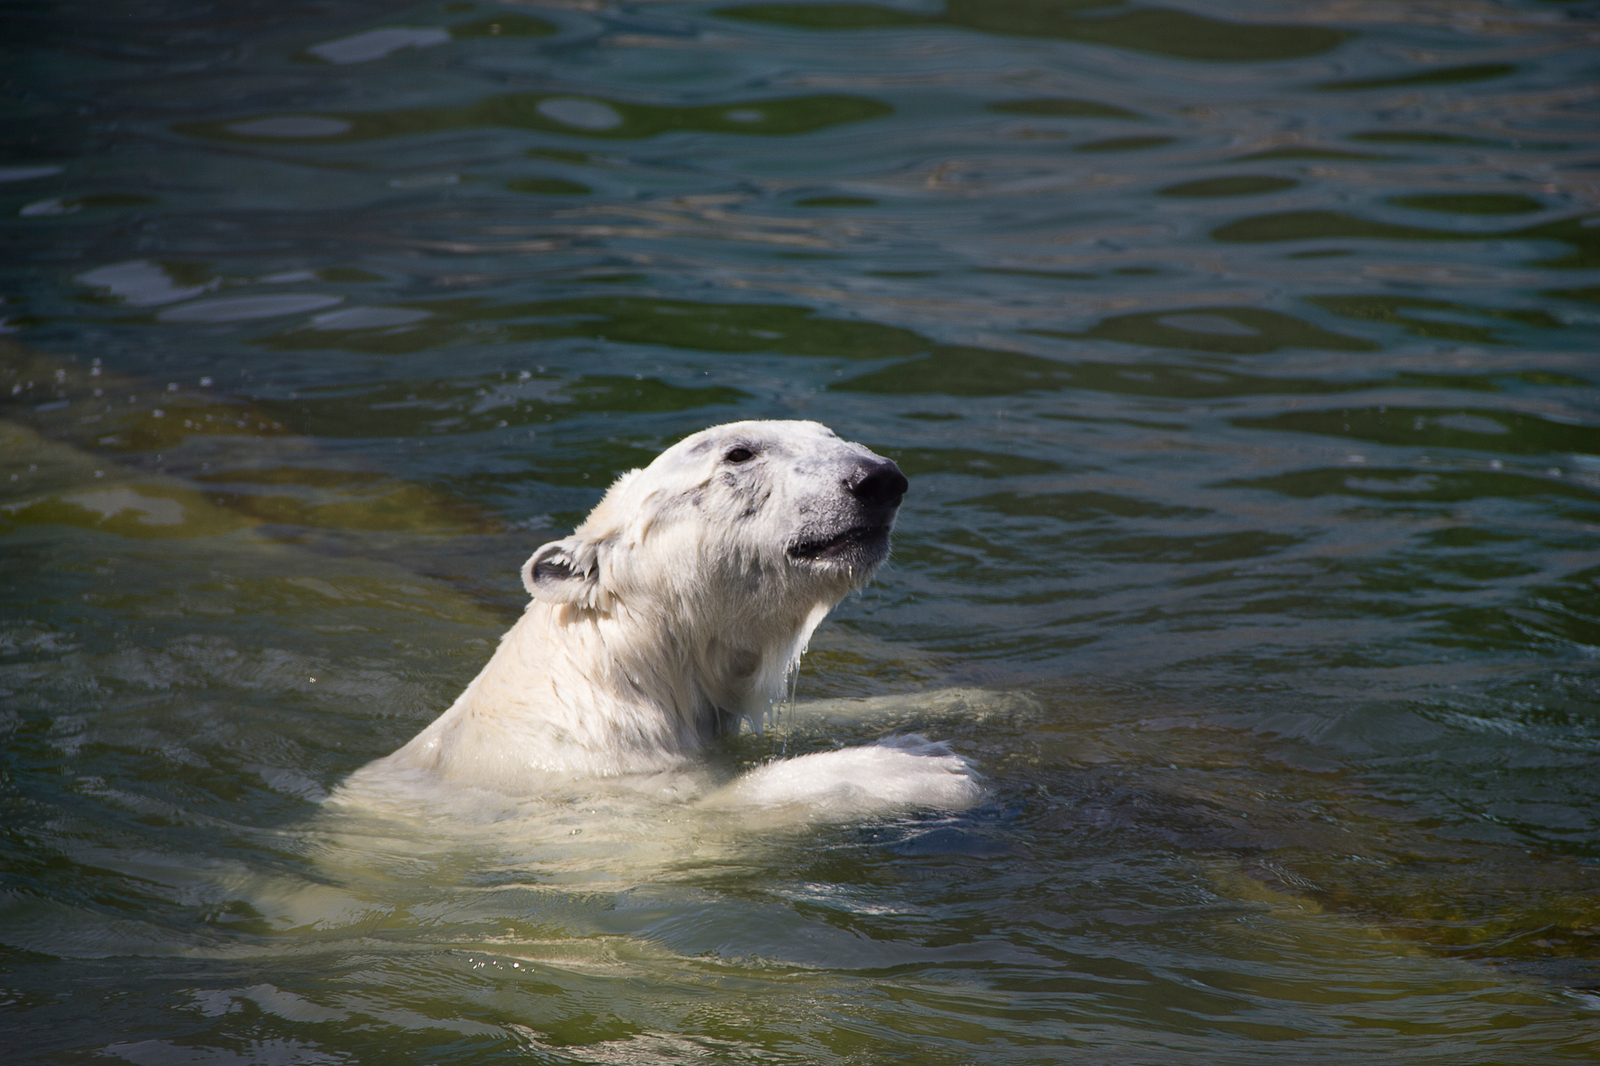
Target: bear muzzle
x,y
858,536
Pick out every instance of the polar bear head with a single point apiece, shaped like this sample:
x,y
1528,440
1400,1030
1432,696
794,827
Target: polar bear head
x,y
731,547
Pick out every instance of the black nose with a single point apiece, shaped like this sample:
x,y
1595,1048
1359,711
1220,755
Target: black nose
x,y
878,484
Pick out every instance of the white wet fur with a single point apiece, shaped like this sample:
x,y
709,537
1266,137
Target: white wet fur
x,y
676,610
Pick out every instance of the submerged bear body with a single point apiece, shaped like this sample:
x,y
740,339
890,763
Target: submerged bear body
x,y
678,609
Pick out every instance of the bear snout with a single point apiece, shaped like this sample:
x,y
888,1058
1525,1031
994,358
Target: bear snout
x,y
877,484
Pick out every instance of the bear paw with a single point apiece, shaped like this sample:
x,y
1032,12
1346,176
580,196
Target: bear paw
x,y
894,773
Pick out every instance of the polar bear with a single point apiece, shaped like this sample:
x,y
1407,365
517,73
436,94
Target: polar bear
x,y
676,611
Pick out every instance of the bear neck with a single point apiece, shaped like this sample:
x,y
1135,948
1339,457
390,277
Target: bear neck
x,y
572,689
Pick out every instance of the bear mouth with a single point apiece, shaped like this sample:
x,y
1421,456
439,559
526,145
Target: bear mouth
x,y
855,544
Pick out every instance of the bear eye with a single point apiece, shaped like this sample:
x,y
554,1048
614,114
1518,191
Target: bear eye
x,y
738,455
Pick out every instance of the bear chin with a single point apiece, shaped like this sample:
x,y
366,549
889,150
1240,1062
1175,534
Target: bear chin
x,y
862,547
661,621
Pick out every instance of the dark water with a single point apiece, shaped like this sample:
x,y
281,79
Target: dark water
x,y
1243,359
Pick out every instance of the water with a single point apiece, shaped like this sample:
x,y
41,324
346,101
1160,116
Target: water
x,y
1245,373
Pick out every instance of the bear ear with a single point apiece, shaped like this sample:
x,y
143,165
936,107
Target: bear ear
x,y
564,571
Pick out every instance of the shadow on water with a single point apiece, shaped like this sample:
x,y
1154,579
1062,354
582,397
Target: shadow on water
x,y
1324,225
1477,429
1163,31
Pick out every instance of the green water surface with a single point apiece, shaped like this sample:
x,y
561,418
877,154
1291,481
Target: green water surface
x,y
1243,360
